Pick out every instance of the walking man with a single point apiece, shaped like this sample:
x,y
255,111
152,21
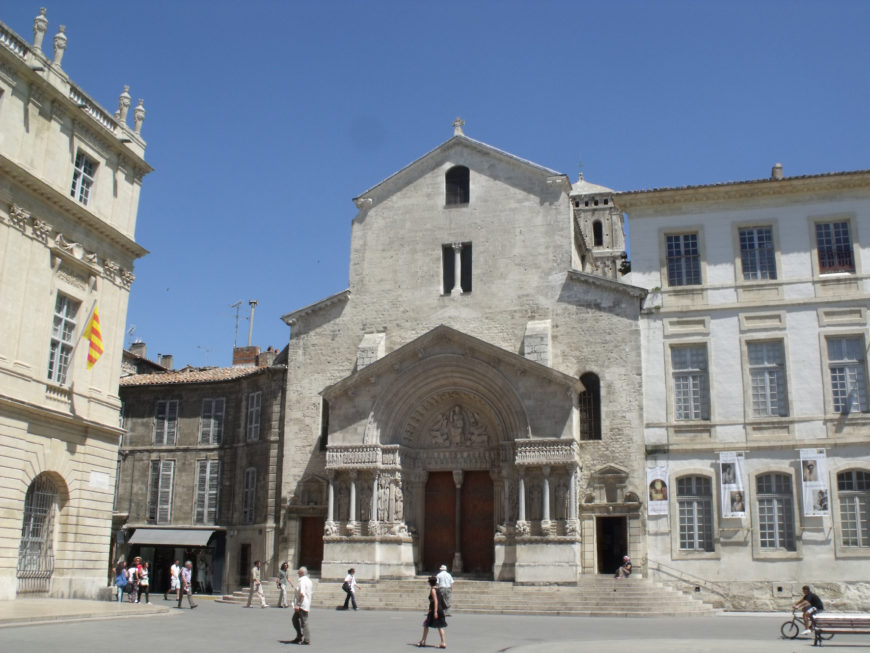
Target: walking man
x,y
303,606
445,584
185,587
174,571
256,586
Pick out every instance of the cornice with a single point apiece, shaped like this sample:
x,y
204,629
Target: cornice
x,y
292,318
609,284
741,190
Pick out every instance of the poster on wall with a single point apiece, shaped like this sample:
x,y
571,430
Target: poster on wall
x,y
731,483
814,481
657,490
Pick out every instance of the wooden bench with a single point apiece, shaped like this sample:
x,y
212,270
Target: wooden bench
x,y
839,624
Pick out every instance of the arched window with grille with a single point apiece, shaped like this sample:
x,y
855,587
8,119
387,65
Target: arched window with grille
x,y
775,512
456,183
590,407
36,550
695,508
853,488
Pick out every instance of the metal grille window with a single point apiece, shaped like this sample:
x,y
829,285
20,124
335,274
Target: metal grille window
x,y
695,506
36,551
211,425
834,246
249,495
848,379
854,493
691,387
767,379
166,421
756,253
83,178
208,475
254,401
160,494
62,333
775,512
683,260
590,407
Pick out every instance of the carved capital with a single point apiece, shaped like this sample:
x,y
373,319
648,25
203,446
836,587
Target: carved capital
x,y
457,478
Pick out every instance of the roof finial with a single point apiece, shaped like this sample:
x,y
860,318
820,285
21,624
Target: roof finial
x,y
457,127
40,23
580,166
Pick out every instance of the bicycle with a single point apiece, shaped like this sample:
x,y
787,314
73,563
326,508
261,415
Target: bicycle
x,y
791,629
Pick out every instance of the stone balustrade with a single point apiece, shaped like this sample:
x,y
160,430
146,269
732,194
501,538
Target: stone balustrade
x,y
91,108
13,42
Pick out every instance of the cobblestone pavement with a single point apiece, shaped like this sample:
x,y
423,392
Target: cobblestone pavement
x,y
220,628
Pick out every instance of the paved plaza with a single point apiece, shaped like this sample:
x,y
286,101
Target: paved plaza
x,y
221,628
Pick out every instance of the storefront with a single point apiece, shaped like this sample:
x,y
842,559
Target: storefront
x,y
163,546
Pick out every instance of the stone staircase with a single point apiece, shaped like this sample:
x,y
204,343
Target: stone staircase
x,y
595,596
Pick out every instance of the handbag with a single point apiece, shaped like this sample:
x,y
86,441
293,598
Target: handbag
x,y
345,586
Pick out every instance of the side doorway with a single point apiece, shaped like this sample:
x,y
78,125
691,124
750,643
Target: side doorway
x,y
611,536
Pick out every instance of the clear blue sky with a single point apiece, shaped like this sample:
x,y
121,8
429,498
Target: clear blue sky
x,y
266,118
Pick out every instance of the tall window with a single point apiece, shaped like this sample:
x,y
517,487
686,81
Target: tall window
x,y
854,492
35,550
166,421
683,260
83,178
597,234
249,495
834,246
691,387
695,506
160,495
775,512
62,334
208,474
453,267
756,253
456,184
590,407
324,424
254,400
767,379
211,425
848,380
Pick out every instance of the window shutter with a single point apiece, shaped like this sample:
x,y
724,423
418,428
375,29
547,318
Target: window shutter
x,y
217,427
160,423
205,421
154,492
164,512
214,474
171,421
201,485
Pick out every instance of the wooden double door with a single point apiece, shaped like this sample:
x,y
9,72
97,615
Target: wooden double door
x,y
475,522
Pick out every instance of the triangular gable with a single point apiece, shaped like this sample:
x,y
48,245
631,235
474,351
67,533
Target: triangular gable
x,y
443,333
417,168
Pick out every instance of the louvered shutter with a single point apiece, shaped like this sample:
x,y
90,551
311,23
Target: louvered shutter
x,y
201,494
154,490
171,421
160,423
205,421
217,427
164,504
214,474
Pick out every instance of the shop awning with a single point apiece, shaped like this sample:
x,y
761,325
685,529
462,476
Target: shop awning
x,y
171,536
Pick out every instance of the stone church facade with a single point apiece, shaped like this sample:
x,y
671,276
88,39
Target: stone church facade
x,y
474,397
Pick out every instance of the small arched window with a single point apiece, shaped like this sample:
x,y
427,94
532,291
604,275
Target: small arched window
x,y
457,186
597,234
590,407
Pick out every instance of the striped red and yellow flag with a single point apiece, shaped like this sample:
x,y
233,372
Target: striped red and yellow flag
x,y
94,337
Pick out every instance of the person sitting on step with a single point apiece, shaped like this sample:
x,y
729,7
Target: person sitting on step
x,y
624,570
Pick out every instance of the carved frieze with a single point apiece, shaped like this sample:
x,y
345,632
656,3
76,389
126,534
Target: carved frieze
x,y
546,452
41,229
110,268
72,278
127,278
18,217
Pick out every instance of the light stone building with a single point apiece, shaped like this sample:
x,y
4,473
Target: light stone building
x,y
754,339
473,398
70,177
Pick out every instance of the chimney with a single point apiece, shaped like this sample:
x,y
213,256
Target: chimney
x,y
138,349
776,172
245,356
267,358
165,360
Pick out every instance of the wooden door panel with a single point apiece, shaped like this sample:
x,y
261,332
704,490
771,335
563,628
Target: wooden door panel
x,y
440,523
311,542
478,552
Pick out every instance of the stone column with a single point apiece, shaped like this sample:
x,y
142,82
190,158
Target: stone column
x,y
507,499
572,495
545,508
352,508
330,498
457,270
457,557
521,488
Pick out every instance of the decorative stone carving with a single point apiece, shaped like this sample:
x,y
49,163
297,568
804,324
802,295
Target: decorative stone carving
x,y
127,278
523,528
18,216
343,502
572,527
363,202
71,278
365,503
124,102
458,427
41,230
398,501
40,24
562,510
139,116
535,502
355,457
59,44
546,452
111,268
330,529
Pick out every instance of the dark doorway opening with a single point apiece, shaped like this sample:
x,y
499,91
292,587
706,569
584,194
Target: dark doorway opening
x,y
311,542
440,523
612,542
244,564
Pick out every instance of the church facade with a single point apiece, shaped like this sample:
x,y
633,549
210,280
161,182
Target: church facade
x,y
474,397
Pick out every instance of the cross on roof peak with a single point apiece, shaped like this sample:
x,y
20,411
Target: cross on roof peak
x,y
457,127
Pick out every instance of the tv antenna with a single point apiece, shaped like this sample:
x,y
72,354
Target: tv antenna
x,y
130,333
207,352
236,332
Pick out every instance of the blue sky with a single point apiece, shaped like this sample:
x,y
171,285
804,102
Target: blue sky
x,y
266,118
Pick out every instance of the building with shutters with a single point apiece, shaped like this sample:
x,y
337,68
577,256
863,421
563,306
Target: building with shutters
x,y
70,177
198,468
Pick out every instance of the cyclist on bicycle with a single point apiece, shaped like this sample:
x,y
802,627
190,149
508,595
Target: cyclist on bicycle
x,y
811,604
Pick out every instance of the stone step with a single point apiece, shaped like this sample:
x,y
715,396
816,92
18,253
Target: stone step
x,y
592,596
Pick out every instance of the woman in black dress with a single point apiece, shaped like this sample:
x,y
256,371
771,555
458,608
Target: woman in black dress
x,y
435,616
